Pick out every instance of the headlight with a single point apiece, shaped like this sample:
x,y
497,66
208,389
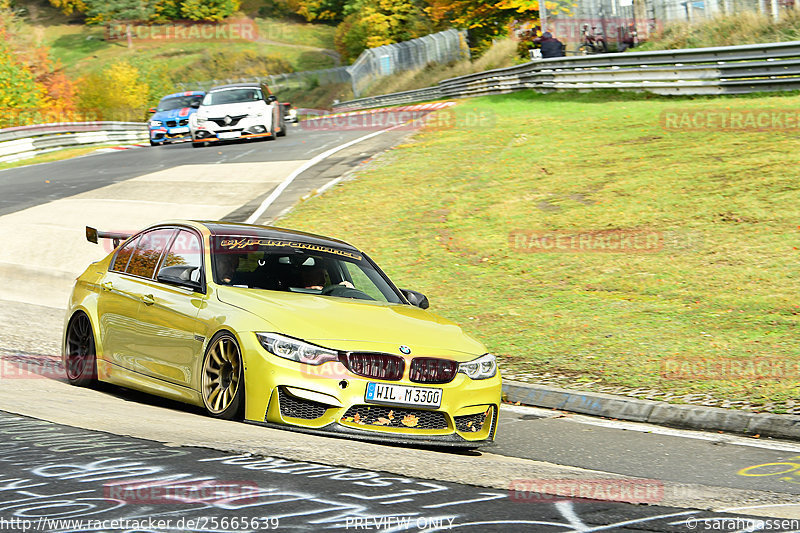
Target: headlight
x,y
201,119
296,350
155,123
483,367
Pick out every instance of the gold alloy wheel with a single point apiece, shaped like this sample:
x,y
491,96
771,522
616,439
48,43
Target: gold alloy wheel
x,y
222,372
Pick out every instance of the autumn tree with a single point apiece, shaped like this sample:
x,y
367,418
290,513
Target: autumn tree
x,y
319,10
119,92
210,10
372,23
69,6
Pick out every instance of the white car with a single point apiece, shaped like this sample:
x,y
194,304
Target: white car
x,y
237,111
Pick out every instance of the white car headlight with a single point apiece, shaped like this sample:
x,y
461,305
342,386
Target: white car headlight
x,y
484,367
296,350
200,119
155,123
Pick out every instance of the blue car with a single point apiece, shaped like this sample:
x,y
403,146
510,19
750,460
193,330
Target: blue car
x,y
170,122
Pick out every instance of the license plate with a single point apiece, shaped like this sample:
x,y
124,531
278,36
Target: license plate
x,y
229,134
182,129
401,395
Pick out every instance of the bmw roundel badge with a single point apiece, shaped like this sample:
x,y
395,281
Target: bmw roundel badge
x,y
405,350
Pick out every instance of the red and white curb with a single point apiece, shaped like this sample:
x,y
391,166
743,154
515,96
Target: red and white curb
x,y
120,147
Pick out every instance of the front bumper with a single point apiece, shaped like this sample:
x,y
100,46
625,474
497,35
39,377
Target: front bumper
x,y
330,399
170,134
245,128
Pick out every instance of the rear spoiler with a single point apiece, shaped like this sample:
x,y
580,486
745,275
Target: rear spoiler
x,y
92,235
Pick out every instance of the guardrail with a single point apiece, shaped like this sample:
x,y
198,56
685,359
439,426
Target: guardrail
x,y
695,71
25,141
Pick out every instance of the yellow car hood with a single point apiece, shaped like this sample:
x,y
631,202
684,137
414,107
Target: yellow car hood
x,y
347,324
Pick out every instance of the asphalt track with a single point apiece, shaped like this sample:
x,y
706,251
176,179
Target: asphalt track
x,y
693,470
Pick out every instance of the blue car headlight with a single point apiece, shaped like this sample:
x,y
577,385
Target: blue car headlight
x,y
484,367
155,123
296,350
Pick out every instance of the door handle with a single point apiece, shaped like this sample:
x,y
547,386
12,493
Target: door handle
x,y
107,286
148,299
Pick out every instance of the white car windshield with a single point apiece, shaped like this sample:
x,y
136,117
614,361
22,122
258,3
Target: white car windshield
x,y
233,96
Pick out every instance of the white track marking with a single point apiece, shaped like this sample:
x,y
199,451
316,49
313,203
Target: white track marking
x,y
310,163
567,510
641,427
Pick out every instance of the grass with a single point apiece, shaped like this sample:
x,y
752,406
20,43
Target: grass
x,y
743,28
82,50
438,211
59,155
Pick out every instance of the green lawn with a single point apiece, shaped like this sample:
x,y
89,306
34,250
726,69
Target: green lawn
x,y
84,49
721,288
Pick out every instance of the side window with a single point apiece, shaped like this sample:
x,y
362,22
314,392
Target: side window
x,y
123,255
185,257
362,282
148,252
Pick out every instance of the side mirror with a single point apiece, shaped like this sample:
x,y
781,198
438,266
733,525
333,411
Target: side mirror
x,y
151,110
195,104
179,275
416,298
272,98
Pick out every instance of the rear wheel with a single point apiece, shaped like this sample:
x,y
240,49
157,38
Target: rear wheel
x,y
222,383
80,362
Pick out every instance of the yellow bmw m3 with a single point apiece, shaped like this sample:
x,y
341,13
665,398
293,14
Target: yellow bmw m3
x,y
281,328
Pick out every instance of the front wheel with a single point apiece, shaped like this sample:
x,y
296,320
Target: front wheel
x,y
80,361
222,383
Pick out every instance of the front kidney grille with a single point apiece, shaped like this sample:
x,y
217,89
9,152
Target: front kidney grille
x,y
372,415
432,370
472,423
298,407
374,365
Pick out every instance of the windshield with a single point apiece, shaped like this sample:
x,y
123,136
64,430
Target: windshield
x,y
233,96
298,267
177,102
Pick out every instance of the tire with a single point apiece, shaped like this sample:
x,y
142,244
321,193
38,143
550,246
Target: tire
x,y
80,359
222,379
154,143
197,145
